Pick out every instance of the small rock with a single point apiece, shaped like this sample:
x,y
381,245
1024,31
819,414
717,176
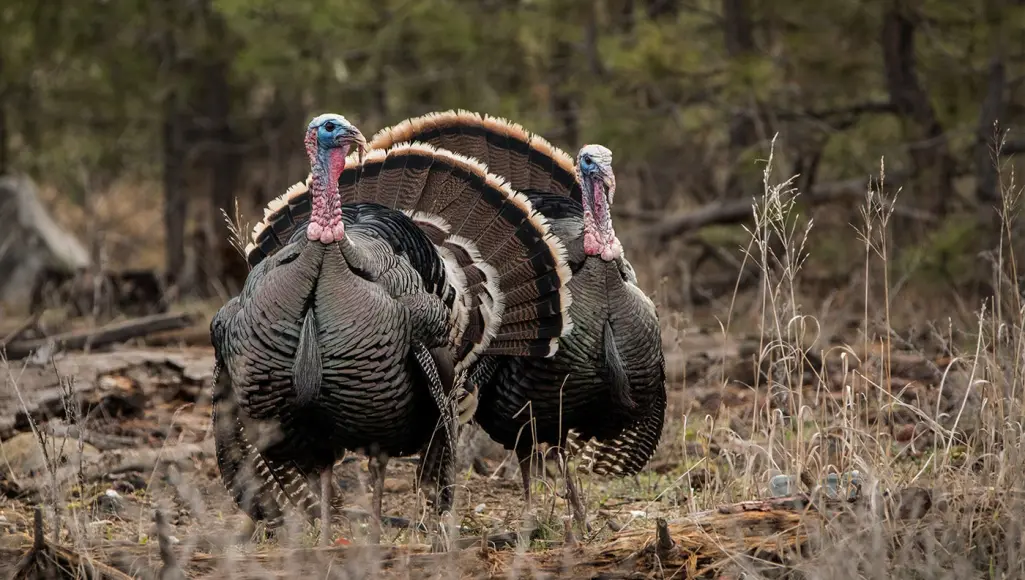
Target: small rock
x,y
904,433
479,509
25,457
782,486
110,502
397,486
124,486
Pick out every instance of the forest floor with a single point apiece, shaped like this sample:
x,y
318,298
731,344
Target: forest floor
x,y
918,424
148,447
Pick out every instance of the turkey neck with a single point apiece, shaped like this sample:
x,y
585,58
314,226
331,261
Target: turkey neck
x,y
599,236
326,166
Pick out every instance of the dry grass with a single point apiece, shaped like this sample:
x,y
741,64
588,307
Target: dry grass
x,y
804,394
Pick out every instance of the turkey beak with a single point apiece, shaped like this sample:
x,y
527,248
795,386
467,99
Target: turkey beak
x,y
360,142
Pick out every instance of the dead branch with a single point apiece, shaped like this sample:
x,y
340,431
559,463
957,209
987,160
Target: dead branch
x,y
194,335
105,335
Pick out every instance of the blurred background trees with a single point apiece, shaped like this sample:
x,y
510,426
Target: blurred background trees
x,y
172,109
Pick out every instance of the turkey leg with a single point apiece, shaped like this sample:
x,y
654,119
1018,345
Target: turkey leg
x,y
326,488
572,495
526,455
376,465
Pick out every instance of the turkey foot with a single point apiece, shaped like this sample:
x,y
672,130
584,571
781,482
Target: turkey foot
x,y
376,465
326,488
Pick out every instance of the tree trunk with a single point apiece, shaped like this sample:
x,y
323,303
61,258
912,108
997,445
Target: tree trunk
x,y
175,204
592,35
992,111
223,268
931,162
738,32
173,150
226,269
987,192
562,99
3,118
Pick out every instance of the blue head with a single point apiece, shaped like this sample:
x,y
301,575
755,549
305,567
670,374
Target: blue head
x,y
330,136
594,168
329,139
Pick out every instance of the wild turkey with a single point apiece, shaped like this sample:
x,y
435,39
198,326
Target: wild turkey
x,y
355,320
611,365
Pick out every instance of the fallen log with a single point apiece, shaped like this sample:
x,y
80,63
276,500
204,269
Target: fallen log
x,y
698,545
102,336
115,383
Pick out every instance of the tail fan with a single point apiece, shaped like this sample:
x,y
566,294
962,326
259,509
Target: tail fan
x,y
628,453
509,269
526,160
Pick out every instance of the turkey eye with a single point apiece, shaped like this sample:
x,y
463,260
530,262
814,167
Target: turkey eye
x,y
330,126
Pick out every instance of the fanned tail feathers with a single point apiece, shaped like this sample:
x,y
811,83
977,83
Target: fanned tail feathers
x,y
510,271
527,160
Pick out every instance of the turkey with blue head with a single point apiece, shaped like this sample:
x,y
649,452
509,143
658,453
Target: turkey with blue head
x,y
603,394
375,286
